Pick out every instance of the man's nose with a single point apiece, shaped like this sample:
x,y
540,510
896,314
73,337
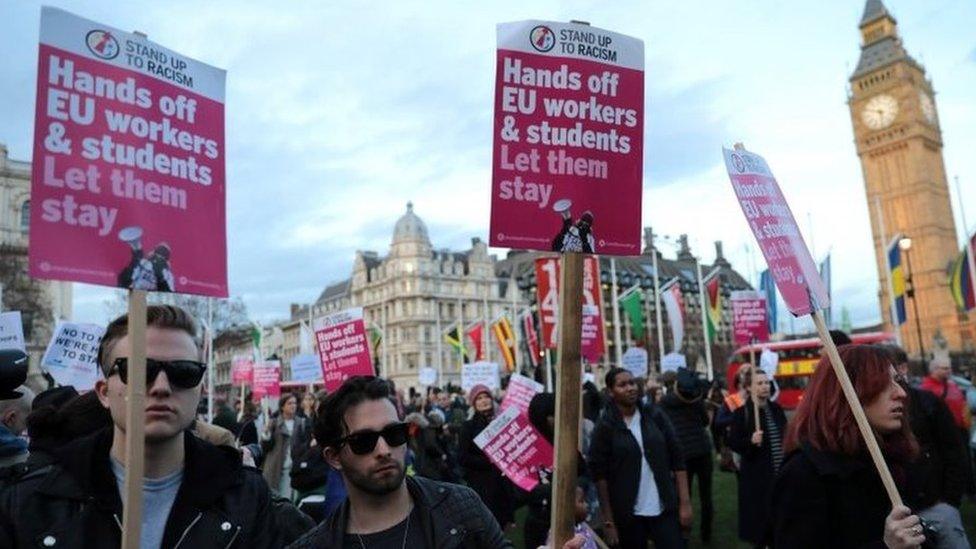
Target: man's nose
x,y
160,386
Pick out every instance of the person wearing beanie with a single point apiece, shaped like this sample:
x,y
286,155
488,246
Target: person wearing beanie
x,y
479,472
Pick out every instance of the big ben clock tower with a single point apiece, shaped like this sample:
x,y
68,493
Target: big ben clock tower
x,y
896,130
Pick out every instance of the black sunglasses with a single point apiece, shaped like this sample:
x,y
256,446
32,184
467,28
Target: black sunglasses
x,y
185,374
364,442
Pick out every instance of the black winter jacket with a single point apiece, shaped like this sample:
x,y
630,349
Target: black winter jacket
x,y
939,473
452,516
822,499
75,501
615,457
689,420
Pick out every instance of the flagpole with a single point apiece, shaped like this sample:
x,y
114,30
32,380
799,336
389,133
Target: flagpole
x,y
440,349
657,308
617,351
967,244
385,372
485,347
461,334
891,288
704,313
515,322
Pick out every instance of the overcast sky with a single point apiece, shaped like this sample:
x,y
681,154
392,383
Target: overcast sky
x,y
338,113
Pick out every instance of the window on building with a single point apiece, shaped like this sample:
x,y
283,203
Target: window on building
x,y
25,217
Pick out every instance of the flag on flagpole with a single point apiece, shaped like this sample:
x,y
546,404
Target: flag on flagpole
x,y
631,302
476,333
306,339
502,329
896,282
713,297
531,337
768,286
256,332
960,282
825,275
674,304
453,338
375,337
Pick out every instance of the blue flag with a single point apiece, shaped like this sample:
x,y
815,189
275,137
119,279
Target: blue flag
x,y
825,275
768,287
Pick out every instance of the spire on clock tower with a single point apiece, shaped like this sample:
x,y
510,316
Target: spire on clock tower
x,y
880,43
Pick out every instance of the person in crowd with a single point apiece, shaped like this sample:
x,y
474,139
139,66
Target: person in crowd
x,y
277,441
636,460
362,437
685,407
226,418
653,389
937,478
592,401
722,422
761,452
828,493
939,382
13,423
308,405
193,493
247,432
478,471
429,458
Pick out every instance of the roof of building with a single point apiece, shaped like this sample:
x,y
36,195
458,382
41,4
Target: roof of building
x,y
874,10
879,54
334,290
410,227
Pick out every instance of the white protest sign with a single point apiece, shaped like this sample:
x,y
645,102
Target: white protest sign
x,y
306,368
11,331
672,361
480,373
635,361
72,355
768,361
428,376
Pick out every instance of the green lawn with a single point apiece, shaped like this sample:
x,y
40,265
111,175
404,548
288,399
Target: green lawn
x,y
724,529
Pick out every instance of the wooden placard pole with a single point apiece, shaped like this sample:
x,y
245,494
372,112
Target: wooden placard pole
x,y
752,389
568,397
135,422
856,409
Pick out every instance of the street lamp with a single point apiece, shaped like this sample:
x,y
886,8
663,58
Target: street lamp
x,y
905,245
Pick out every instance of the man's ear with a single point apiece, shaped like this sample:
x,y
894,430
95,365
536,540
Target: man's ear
x,y
101,389
331,456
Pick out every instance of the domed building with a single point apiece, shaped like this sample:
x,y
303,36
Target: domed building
x,y
416,293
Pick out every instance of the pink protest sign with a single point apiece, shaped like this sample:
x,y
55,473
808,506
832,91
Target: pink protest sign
x,y
520,391
267,380
340,340
775,229
128,174
241,371
749,322
568,162
518,450
547,288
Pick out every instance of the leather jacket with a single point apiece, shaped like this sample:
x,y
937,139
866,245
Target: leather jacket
x,y
452,516
74,502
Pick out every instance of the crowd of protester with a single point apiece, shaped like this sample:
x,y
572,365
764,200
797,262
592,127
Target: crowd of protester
x,y
368,466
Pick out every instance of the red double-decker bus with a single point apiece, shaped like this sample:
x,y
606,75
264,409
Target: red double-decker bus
x,y
797,360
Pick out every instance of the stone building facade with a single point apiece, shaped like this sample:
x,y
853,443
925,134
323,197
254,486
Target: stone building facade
x,y
40,302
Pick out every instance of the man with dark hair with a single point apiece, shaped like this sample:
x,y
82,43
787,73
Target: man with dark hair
x,y
362,437
194,494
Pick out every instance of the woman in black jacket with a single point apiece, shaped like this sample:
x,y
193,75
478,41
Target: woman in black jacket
x,y
479,472
762,455
828,493
641,481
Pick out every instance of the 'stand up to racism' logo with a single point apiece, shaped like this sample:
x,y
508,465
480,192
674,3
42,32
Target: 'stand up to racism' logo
x,y
740,166
542,38
102,44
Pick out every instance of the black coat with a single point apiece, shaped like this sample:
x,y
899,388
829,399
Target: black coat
x,y
451,517
822,499
756,471
481,474
689,420
615,457
75,502
939,473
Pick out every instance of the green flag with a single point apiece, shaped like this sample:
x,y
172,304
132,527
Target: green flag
x,y
256,335
632,306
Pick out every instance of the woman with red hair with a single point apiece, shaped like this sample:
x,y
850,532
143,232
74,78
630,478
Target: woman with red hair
x,y
828,493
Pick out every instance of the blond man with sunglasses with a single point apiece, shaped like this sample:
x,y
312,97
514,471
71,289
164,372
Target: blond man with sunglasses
x,y
194,494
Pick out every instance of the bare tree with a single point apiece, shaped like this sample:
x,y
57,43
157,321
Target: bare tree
x,y
21,292
227,313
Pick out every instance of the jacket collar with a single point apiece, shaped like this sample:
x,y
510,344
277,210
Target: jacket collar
x,y
831,463
426,496
85,471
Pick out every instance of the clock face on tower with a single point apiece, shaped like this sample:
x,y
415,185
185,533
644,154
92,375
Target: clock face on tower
x,y
928,107
880,111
